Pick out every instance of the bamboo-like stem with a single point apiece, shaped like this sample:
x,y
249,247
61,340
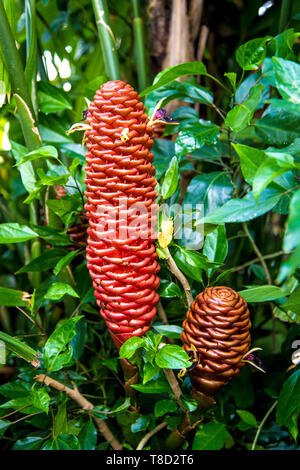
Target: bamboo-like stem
x,y
262,424
139,44
107,40
31,51
12,59
148,436
180,276
285,14
85,404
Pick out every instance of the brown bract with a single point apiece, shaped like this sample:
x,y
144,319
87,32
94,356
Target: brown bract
x,y
218,325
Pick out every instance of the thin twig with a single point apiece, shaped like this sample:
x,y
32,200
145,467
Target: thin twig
x,y
161,313
171,378
148,436
180,276
84,404
245,265
262,423
259,255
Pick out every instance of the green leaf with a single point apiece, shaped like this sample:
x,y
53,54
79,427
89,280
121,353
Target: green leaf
x,y
293,302
283,75
51,178
141,424
250,55
45,261
130,346
47,151
52,99
211,436
241,210
232,78
28,443
54,356
262,293
240,116
26,170
189,403
64,207
171,180
65,261
172,356
58,290
251,158
19,348
62,442
195,136
247,418
288,407
13,297
149,371
88,436
4,424
61,420
170,74
289,266
216,246
278,127
163,407
170,331
292,232
273,166
12,232
156,386
168,289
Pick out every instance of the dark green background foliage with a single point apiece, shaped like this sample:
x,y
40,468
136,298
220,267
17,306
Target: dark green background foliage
x,y
235,149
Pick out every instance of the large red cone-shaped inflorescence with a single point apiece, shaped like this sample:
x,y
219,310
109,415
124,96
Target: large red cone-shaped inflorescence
x,y
218,325
120,205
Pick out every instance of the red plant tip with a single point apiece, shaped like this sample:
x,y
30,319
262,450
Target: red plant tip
x,y
120,194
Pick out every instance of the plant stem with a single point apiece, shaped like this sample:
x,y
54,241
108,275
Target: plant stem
x,y
259,255
285,14
148,436
245,265
139,43
262,423
171,378
107,39
12,59
180,276
75,395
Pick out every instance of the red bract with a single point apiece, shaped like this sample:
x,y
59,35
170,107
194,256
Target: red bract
x,y
120,194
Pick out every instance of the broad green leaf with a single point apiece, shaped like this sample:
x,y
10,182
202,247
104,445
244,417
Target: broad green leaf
x,y
283,75
47,260
189,403
216,246
278,127
52,235
52,99
293,302
149,371
289,266
13,232
212,189
53,354
141,424
169,289
4,424
88,436
58,290
156,386
250,55
241,210
13,297
251,158
163,407
232,78
262,293
170,331
28,443
282,44
191,263
170,74
130,346
240,116
51,178
163,151
47,151
273,166
247,417
64,207
172,356
170,182
288,407
61,420
195,92
62,442
65,261
211,436
26,170
195,136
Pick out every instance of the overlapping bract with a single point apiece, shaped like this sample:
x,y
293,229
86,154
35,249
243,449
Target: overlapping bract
x,y
120,194
218,325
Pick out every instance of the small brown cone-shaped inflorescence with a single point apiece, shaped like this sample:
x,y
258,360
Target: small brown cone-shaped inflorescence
x,y
120,194
218,326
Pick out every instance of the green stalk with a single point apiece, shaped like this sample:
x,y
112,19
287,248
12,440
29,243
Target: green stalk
x,y
107,40
12,59
31,50
285,14
139,44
